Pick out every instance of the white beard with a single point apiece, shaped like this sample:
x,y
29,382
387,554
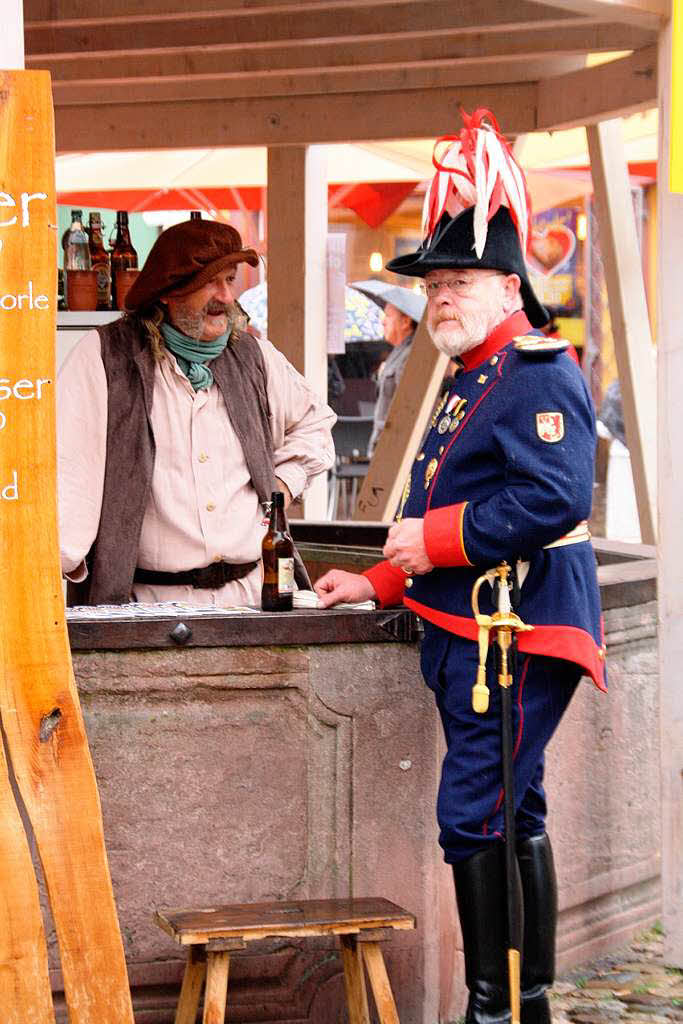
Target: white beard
x,y
455,336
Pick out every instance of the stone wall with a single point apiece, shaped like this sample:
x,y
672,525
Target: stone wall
x,y
236,774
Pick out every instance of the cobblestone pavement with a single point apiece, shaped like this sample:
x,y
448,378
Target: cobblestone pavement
x,y
631,986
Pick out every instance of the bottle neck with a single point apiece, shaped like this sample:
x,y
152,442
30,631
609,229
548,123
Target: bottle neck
x,y
278,519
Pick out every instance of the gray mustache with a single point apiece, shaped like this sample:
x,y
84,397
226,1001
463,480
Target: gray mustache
x,y
214,308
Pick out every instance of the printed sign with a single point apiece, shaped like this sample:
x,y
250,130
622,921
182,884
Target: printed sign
x,y
552,261
39,706
336,288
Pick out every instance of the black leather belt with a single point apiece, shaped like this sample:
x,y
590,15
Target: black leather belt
x,y
211,577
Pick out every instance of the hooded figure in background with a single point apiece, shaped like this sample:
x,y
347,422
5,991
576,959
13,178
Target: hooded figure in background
x,y
505,473
174,427
403,310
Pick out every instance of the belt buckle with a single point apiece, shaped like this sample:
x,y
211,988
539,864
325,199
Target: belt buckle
x,y
210,577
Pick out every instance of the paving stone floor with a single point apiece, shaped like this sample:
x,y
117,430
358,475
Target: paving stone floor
x,y
632,986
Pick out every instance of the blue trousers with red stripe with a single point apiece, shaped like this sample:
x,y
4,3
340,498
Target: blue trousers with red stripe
x,y
470,801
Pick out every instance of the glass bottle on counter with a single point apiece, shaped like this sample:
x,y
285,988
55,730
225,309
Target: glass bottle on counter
x,y
75,242
123,255
278,560
99,258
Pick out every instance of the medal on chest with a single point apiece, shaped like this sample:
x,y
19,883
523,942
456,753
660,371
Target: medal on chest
x,y
431,469
452,415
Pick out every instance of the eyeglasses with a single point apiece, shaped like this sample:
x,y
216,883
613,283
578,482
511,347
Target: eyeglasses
x,y
456,285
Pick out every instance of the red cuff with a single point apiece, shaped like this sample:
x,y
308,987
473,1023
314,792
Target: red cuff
x,y
443,528
389,583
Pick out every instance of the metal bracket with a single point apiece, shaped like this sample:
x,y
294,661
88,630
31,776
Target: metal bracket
x,y
403,625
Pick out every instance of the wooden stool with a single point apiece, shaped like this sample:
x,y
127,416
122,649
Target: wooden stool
x,y
213,934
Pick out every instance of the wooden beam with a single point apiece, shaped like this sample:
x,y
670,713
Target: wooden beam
x,y
646,13
628,312
670,549
404,428
381,50
55,11
311,82
293,23
597,94
347,117
297,273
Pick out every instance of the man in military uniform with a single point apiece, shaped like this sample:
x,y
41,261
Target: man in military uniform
x,y
505,473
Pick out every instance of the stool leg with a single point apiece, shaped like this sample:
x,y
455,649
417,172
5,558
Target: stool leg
x,y
354,982
193,979
379,982
216,993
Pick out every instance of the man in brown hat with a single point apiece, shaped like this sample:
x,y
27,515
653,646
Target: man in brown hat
x,y
174,427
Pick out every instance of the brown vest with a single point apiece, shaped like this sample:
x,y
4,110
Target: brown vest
x,y
240,374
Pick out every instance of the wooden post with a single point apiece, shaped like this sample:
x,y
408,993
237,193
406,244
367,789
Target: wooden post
x,y
405,425
628,312
670,553
297,273
41,715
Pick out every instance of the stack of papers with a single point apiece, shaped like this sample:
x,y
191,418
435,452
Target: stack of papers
x,y
140,610
309,599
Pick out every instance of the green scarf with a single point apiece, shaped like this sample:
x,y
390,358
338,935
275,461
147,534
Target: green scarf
x,y
192,355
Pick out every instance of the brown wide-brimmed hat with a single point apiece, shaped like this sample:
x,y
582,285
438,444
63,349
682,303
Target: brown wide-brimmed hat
x,y
184,258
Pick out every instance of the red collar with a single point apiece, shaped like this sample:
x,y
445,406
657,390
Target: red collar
x,y
515,324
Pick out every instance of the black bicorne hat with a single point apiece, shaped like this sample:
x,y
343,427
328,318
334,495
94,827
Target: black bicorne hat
x,y
451,245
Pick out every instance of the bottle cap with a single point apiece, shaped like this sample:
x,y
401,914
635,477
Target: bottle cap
x,y
278,498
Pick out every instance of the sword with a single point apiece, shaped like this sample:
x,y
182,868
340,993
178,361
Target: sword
x,y
506,624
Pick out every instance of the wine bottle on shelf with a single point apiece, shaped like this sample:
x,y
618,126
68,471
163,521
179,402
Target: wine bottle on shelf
x,y
277,550
75,242
99,258
123,255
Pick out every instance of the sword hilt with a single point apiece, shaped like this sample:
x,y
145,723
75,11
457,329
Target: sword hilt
x,y
505,622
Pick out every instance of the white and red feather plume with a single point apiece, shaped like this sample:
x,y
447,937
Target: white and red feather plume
x,y
477,169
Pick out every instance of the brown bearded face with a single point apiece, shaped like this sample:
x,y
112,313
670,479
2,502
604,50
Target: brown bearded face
x,y
207,313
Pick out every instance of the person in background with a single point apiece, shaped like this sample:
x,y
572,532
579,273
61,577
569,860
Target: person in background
x,y
403,310
552,328
505,474
174,427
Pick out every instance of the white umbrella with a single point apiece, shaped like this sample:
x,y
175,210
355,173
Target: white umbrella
x,y
407,300
363,319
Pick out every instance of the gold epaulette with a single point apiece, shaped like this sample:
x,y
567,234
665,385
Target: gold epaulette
x,y
532,345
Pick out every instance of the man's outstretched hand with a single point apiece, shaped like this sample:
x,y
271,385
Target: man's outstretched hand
x,y
337,586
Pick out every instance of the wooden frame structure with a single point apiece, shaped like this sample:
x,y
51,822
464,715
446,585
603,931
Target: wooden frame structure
x,y
131,74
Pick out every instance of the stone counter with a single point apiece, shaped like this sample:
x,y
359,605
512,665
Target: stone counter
x,y
298,756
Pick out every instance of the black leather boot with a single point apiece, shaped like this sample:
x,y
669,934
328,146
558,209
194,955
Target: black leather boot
x,y
539,885
481,894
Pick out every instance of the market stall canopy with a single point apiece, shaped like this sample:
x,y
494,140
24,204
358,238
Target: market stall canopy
x,y
372,179
369,182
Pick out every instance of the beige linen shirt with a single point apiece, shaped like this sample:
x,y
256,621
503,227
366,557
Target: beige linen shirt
x,y
202,506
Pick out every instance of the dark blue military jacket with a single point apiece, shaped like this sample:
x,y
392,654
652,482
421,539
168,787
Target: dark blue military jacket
x,y
506,469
